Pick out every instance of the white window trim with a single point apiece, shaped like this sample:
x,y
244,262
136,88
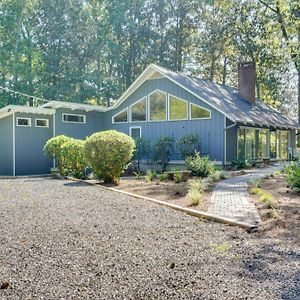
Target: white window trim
x,y
38,119
29,123
190,112
135,127
169,106
152,121
112,118
67,114
130,110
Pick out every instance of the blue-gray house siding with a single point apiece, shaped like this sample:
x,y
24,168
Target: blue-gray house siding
x,y
211,131
6,145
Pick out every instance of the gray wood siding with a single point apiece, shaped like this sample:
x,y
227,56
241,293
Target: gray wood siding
x,y
6,146
30,141
210,131
231,142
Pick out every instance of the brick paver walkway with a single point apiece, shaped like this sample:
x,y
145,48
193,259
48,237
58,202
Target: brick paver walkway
x,y
230,198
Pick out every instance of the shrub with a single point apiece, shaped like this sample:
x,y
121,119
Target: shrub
x,y
72,158
108,153
138,175
241,163
217,175
163,177
292,175
188,145
177,177
53,149
256,191
142,150
256,182
162,151
200,166
195,191
151,175
267,199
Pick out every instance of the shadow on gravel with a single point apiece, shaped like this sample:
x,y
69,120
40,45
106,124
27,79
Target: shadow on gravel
x,y
75,183
266,264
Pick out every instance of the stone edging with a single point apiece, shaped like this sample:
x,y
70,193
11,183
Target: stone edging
x,y
191,212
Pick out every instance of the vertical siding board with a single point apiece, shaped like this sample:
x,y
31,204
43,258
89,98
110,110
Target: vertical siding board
x,y
6,146
211,131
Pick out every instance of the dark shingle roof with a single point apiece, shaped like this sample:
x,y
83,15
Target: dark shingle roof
x,y
228,101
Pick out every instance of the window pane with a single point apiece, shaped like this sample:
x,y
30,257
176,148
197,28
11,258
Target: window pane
x,y
138,111
23,122
135,133
158,107
74,118
263,141
41,123
178,109
121,117
250,143
284,144
241,143
273,144
198,112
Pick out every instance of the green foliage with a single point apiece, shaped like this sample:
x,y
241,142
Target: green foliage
x,y
188,145
195,191
138,175
53,149
292,175
256,191
267,199
142,150
108,153
217,175
72,158
151,175
177,177
200,166
162,151
163,177
256,182
241,163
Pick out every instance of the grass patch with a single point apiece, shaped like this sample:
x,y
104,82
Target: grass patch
x,y
195,192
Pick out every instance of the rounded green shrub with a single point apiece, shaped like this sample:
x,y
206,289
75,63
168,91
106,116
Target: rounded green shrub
x,y
108,154
53,149
72,158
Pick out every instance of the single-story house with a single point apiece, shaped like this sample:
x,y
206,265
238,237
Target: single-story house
x,y
231,123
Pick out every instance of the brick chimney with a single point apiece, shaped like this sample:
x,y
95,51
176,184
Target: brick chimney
x,y
246,81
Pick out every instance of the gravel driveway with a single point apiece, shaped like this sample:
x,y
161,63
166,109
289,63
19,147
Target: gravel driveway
x,y
65,240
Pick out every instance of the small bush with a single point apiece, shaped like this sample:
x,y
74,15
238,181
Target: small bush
x,y
108,153
256,191
217,175
162,151
292,175
256,182
200,166
138,175
53,149
188,145
241,163
142,151
267,199
72,158
151,175
195,191
163,177
177,177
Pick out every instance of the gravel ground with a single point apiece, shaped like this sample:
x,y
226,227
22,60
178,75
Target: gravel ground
x,y
65,240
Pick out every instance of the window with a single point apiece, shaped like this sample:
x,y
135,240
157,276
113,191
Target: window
x,y
241,143
41,123
282,144
250,141
135,132
138,111
263,144
24,122
121,117
158,106
178,109
273,144
198,112
72,118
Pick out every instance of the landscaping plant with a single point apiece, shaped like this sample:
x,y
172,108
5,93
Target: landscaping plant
x,y
72,158
142,151
162,151
199,166
188,145
151,175
195,191
292,175
138,175
163,177
53,149
108,153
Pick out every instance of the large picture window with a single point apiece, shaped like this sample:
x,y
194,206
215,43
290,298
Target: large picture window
x,y
198,112
138,111
263,144
121,117
158,106
178,109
